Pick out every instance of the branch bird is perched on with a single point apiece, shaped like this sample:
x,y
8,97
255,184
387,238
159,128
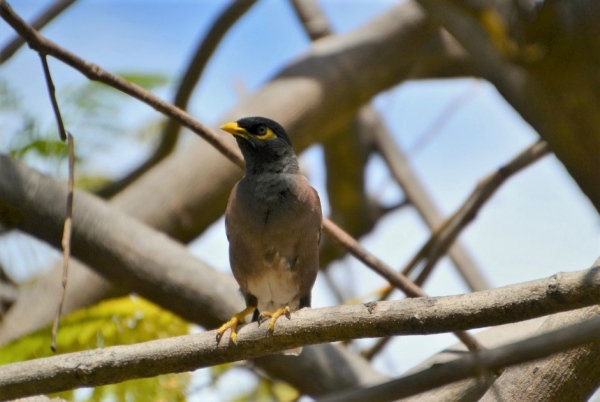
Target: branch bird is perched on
x,y
273,223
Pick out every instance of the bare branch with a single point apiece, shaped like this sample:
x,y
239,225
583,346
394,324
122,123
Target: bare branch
x,y
416,193
469,366
145,261
311,326
52,92
312,18
186,87
66,238
46,16
571,375
96,73
443,237
396,279
93,72
201,178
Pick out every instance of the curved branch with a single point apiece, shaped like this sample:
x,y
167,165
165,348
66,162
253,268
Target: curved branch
x,y
310,326
184,92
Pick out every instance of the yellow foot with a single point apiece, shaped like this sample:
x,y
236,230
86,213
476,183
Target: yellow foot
x,y
274,316
238,318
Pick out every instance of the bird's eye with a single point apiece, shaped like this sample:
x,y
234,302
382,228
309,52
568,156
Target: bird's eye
x,y
261,130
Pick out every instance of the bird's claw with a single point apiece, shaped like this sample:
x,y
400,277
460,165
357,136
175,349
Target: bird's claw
x,y
232,324
274,316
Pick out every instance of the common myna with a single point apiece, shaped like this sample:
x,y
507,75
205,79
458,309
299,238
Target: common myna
x,y
273,224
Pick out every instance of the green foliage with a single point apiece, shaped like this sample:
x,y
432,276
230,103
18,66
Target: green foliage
x,y
93,112
120,321
270,391
147,81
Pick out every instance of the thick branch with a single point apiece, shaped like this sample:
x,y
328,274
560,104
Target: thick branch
x,y
186,193
538,93
143,260
571,375
472,365
311,326
302,97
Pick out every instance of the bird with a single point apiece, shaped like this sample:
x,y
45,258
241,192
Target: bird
x,y
273,223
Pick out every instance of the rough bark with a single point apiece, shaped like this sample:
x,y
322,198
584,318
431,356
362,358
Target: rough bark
x,y
572,375
483,364
311,326
143,260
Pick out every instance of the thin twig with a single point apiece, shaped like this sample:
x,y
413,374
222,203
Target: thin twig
x,y
46,16
66,240
186,87
52,93
402,172
395,278
449,231
94,72
442,238
443,118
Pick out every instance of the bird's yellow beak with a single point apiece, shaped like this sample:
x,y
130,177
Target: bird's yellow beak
x,y
235,129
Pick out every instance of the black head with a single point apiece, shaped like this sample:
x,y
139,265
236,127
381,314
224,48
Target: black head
x,y
264,144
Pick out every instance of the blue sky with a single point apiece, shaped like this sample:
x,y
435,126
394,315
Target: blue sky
x,y
539,223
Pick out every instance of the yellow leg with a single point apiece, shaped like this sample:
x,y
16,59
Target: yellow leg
x,y
238,318
274,316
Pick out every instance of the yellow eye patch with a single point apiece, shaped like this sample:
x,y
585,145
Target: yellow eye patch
x,y
266,136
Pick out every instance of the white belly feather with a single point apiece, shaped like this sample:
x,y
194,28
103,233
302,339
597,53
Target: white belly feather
x,y
276,287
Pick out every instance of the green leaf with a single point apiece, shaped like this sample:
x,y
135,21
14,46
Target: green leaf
x,y
147,81
43,147
119,321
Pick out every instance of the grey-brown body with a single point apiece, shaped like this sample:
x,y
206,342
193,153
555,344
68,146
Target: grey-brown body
x,y
273,224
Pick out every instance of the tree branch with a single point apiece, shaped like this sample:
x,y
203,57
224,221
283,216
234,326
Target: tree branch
x,y
310,326
470,366
143,260
538,94
401,171
571,375
93,72
46,16
184,91
96,73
